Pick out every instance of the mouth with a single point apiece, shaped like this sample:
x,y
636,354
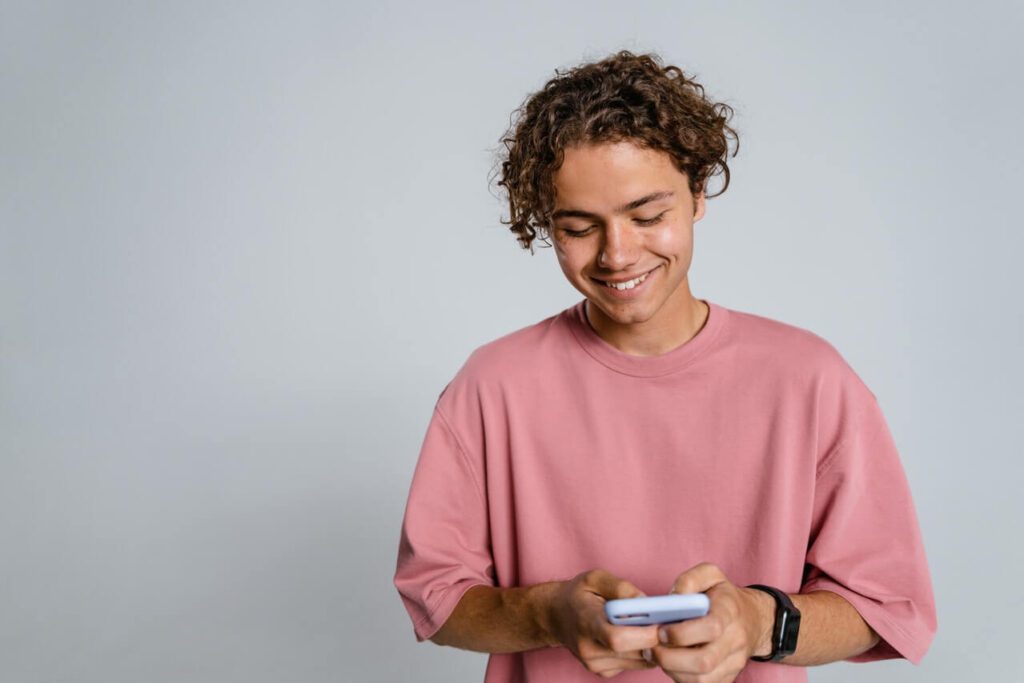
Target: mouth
x,y
623,286
629,289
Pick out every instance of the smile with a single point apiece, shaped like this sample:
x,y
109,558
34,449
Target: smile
x,y
629,284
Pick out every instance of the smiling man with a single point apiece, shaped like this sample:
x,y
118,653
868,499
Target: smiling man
x,y
630,259
644,441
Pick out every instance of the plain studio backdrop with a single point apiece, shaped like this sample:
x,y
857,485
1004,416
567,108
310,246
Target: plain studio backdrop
x,y
244,246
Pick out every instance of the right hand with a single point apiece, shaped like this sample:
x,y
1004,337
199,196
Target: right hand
x,y
581,626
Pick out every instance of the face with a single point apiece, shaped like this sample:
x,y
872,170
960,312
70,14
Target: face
x,y
621,212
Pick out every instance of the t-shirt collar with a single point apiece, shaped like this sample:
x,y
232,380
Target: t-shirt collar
x,y
644,366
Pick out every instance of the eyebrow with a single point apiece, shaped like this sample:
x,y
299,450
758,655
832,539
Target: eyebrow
x,y
629,206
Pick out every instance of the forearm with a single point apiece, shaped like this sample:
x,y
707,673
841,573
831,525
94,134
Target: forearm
x,y
491,619
830,629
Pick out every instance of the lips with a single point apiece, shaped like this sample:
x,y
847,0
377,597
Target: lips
x,y
619,281
634,293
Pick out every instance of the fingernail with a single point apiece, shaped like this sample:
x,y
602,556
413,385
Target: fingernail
x,y
647,654
662,635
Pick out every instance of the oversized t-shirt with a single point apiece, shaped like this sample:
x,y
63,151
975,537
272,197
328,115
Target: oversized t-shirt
x,y
753,446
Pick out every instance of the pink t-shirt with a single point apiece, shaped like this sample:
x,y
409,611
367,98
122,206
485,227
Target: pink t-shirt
x,y
753,446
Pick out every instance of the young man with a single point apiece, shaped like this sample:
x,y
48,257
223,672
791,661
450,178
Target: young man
x,y
644,441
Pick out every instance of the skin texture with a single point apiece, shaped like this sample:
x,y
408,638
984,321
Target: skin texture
x,y
578,623
716,648
713,648
598,179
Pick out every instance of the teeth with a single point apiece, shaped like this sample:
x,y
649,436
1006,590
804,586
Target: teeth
x,y
628,285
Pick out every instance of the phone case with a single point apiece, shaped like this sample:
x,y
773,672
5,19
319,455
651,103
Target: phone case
x,y
656,609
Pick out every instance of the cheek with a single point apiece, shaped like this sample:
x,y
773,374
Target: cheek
x,y
570,255
560,252
671,240
565,261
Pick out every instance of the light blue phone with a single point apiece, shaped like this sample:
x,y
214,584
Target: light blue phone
x,y
657,609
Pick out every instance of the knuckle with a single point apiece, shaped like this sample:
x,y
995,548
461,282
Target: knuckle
x,y
716,629
733,604
711,567
705,664
736,666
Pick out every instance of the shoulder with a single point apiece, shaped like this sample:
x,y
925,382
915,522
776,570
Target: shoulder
x,y
514,350
500,361
769,335
792,350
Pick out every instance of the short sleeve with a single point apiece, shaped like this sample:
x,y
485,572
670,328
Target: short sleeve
x,y
445,545
865,542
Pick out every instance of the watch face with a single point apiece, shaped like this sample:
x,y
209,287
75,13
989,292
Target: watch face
x,y
790,631
787,624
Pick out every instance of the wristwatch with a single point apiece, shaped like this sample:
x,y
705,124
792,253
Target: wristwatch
x,y
787,625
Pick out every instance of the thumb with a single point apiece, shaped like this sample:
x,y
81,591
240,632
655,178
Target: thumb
x,y
698,579
612,587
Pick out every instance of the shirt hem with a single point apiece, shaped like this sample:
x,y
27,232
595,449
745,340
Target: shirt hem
x,y
428,625
902,642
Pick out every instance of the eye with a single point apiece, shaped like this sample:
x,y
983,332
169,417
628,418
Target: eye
x,y
639,221
651,221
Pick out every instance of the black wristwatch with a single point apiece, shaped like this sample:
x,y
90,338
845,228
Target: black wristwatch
x,y
787,625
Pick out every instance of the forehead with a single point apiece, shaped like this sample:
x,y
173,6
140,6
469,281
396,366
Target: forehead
x,y
607,174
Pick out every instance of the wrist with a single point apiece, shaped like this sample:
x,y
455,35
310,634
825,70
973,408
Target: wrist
x,y
542,598
764,622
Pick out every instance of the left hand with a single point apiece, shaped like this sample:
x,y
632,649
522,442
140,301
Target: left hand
x,y
714,648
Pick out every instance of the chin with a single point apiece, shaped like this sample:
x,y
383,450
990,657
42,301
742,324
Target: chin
x,y
624,313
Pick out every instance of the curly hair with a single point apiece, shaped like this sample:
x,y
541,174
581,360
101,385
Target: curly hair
x,y
622,97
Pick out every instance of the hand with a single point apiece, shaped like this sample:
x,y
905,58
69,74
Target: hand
x,y
581,626
714,648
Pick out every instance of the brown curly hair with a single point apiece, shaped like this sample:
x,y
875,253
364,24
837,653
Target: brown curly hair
x,y
622,97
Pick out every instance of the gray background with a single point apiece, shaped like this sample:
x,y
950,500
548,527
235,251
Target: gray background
x,y
244,246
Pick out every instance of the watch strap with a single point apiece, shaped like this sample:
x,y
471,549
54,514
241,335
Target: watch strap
x,y
786,627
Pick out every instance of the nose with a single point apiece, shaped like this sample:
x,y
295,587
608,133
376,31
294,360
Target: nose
x,y
620,246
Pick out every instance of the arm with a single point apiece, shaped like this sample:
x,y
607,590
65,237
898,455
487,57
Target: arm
x,y
739,625
830,628
567,614
491,619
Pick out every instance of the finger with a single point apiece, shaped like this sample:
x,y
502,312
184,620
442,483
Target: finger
x,y
611,587
621,660
623,639
704,629
618,639
698,579
697,660
610,667
595,650
691,632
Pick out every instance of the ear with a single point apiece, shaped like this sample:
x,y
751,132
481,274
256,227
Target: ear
x,y
698,207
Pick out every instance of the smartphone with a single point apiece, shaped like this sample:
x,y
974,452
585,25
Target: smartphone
x,y
657,609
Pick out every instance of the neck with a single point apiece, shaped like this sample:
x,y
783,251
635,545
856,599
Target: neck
x,y
668,329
